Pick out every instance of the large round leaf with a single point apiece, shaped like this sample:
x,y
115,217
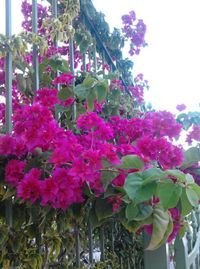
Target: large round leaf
x,y
169,194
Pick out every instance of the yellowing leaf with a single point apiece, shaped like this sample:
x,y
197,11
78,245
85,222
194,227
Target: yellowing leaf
x,y
161,221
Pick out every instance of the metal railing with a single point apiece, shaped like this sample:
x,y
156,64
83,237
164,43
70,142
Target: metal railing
x,y
186,250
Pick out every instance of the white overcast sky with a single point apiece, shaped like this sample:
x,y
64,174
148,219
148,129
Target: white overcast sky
x,y
171,62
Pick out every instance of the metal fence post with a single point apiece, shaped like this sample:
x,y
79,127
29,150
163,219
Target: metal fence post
x,y
77,246
102,243
9,73
157,259
71,51
181,253
35,47
90,241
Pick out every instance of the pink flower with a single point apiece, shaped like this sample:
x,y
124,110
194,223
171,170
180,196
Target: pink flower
x,y
148,228
109,152
2,112
194,134
69,189
49,191
65,149
160,150
119,180
116,202
65,78
89,121
68,102
181,107
35,125
115,84
20,149
163,123
138,93
30,187
7,145
81,170
47,97
175,214
14,171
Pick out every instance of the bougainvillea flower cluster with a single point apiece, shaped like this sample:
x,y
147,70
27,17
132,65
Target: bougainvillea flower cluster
x,y
134,30
77,159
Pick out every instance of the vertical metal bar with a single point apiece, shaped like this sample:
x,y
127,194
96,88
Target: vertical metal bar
x,y
35,47
197,210
90,241
77,246
194,226
8,69
8,72
121,262
158,258
54,8
102,243
189,237
112,237
71,52
84,54
55,15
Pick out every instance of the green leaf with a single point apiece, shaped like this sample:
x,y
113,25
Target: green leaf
x,y
192,155
146,192
83,45
136,191
132,184
102,90
55,64
131,211
192,196
153,174
161,221
189,179
78,38
111,191
183,230
107,177
93,218
144,212
81,91
186,206
169,193
61,109
91,97
89,82
65,93
131,161
195,188
103,209
167,233
33,163
131,226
